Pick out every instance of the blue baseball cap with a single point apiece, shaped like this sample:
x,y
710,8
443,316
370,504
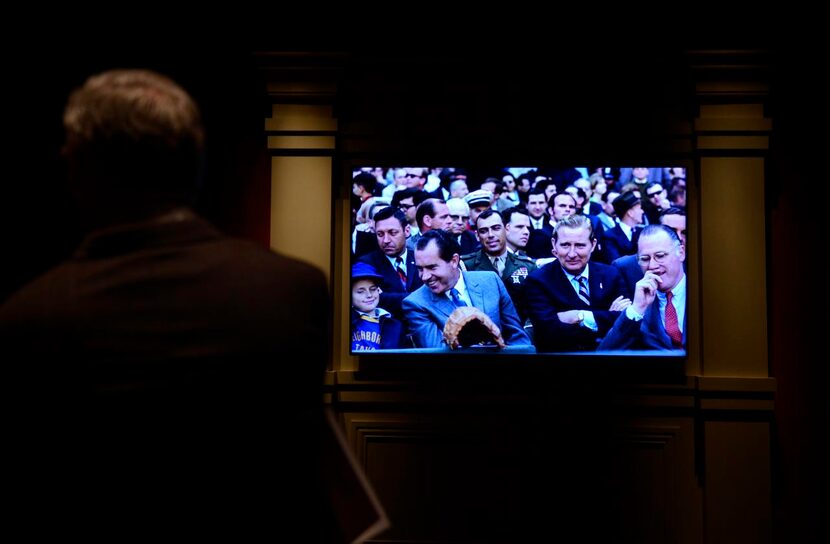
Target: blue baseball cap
x,y
364,270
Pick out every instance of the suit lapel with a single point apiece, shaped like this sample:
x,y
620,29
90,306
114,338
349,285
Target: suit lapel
x,y
475,293
566,287
385,268
654,332
483,263
442,304
411,272
596,285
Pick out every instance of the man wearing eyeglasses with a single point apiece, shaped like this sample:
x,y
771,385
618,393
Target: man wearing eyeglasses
x,y
656,319
407,201
629,265
416,178
460,214
655,202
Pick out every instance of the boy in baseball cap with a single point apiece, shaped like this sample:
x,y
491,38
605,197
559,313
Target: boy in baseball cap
x,y
372,328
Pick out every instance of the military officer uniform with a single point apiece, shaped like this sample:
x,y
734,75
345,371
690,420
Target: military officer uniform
x,y
516,269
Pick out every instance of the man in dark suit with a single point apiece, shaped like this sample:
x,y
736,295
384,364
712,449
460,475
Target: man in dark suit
x,y
516,228
431,214
408,201
589,207
656,319
460,215
393,260
446,287
538,244
512,268
675,219
622,239
147,366
629,268
581,198
561,205
629,265
572,303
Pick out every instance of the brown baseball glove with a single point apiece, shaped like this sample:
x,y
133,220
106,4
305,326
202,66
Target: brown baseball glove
x,y
468,326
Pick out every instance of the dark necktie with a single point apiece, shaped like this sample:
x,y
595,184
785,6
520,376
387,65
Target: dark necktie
x,y
456,299
583,290
498,263
672,328
401,270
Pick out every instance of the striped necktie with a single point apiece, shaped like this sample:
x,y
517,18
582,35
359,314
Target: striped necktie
x,y
583,290
401,270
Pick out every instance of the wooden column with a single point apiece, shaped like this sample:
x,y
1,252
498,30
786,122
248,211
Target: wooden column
x,y
736,394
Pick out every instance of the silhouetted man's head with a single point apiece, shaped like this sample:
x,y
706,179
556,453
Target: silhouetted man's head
x,y
134,142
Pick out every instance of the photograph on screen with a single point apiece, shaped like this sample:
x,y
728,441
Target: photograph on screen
x,y
580,260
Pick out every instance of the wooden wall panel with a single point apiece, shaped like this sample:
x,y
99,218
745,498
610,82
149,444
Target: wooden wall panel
x,y
658,495
454,477
738,489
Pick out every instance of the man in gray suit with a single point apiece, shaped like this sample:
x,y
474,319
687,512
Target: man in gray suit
x,y
446,287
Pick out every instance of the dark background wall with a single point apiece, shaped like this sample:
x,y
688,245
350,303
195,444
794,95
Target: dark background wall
x,y
39,227
39,224
796,233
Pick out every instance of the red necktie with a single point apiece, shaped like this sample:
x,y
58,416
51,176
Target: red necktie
x,y
401,270
672,328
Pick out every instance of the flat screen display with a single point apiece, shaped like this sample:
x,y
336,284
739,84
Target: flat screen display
x,y
519,259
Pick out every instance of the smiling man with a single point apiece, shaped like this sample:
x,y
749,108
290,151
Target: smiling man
x,y
494,256
446,288
573,302
656,319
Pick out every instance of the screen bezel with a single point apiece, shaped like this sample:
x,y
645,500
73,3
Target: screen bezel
x,y
405,357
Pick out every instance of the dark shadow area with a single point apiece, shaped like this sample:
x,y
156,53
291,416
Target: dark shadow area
x,y
800,472
39,224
